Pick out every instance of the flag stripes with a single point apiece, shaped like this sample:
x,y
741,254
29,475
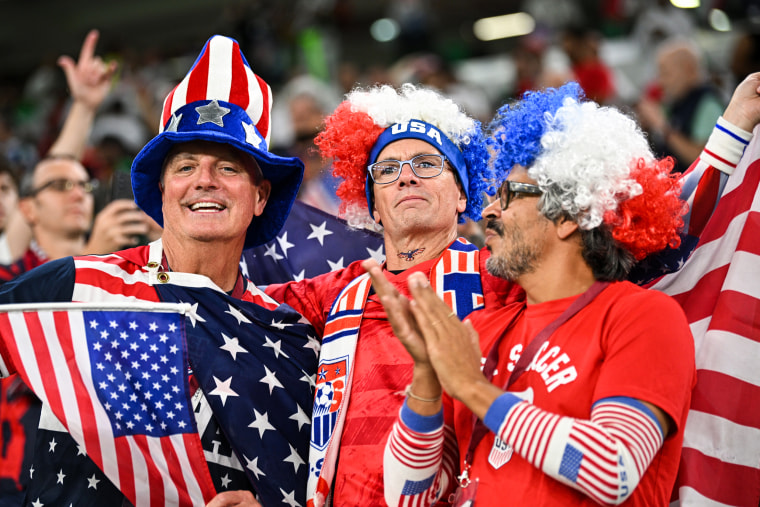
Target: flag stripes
x,y
51,350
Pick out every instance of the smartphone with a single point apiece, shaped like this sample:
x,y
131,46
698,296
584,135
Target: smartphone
x,y
121,186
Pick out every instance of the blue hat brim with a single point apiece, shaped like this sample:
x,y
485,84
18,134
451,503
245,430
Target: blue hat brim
x,y
284,173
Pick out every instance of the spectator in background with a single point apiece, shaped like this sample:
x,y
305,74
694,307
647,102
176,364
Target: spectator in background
x,y
581,44
8,206
529,65
21,154
54,220
434,71
57,202
658,20
303,104
681,109
745,58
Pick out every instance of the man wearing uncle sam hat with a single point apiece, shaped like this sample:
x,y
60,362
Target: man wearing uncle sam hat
x,y
210,181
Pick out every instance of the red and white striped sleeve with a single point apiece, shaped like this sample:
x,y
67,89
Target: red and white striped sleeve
x,y
706,179
420,459
604,457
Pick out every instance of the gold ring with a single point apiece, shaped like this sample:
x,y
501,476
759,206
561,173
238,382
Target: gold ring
x,y
451,314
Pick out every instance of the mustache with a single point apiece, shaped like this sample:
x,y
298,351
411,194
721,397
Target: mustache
x,y
495,225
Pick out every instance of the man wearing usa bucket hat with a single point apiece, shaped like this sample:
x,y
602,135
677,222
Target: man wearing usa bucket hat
x,y
210,181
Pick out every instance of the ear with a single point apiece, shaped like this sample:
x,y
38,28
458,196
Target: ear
x,y
28,210
462,202
263,190
375,214
161,189
566,228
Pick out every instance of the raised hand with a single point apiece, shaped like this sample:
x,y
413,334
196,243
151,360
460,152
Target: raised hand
x,y
399,314
744,108
452,346
89,78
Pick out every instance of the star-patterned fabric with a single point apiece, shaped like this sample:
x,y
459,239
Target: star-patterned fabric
x,y
257,368
117,381
254,364
311,242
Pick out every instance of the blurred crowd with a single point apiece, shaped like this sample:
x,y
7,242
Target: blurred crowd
x,y
648,57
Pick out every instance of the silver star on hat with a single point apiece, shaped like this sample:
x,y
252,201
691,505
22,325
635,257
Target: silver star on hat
x,y
211,112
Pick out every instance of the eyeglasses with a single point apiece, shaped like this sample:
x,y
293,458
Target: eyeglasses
x,y
510,189
424,166
64,185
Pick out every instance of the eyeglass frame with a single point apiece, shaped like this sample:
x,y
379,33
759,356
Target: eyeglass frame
x,y
401,163
64,185
511,188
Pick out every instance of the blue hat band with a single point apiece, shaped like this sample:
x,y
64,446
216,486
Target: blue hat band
x,y
417,129
224,123
216,116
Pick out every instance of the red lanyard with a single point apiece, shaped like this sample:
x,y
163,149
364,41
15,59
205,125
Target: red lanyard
x,y
479,429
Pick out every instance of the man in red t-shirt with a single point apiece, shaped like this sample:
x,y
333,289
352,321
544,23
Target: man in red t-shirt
x,y
586,385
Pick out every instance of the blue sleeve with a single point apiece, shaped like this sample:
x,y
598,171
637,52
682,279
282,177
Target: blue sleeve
x,y
499,409
51,282
420,423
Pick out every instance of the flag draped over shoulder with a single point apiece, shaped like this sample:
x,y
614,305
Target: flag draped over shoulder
x,y
719,289
256,368
115,376
310,243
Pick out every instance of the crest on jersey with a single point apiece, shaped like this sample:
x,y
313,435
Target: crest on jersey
x,y
331,384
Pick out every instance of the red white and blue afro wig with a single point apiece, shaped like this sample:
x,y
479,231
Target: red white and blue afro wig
x,y
370,119
594,166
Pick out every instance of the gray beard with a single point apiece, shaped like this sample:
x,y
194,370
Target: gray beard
x,y
521,258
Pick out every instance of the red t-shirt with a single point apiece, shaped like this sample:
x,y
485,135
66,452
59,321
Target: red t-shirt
x,y
627,342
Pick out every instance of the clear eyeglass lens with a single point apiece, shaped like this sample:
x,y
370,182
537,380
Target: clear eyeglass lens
x,y
424,166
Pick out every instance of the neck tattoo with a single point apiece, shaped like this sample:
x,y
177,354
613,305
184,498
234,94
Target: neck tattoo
x,y
411,254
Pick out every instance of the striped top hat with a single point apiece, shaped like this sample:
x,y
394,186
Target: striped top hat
x,y
220,100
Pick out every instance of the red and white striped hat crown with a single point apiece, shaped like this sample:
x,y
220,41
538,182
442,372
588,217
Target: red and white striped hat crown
x,y
220,100
221,72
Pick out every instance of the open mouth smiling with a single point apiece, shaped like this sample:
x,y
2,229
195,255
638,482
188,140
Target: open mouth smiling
x,y
207,207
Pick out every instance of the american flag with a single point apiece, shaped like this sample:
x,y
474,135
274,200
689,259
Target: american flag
x,y
115,376
257,368
719,289
312,242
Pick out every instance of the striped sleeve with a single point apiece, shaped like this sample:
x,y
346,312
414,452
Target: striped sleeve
x,y
706,179
420,459
604,457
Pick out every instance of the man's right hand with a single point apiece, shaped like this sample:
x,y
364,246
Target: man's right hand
x,y
426,388
117,226
397,309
